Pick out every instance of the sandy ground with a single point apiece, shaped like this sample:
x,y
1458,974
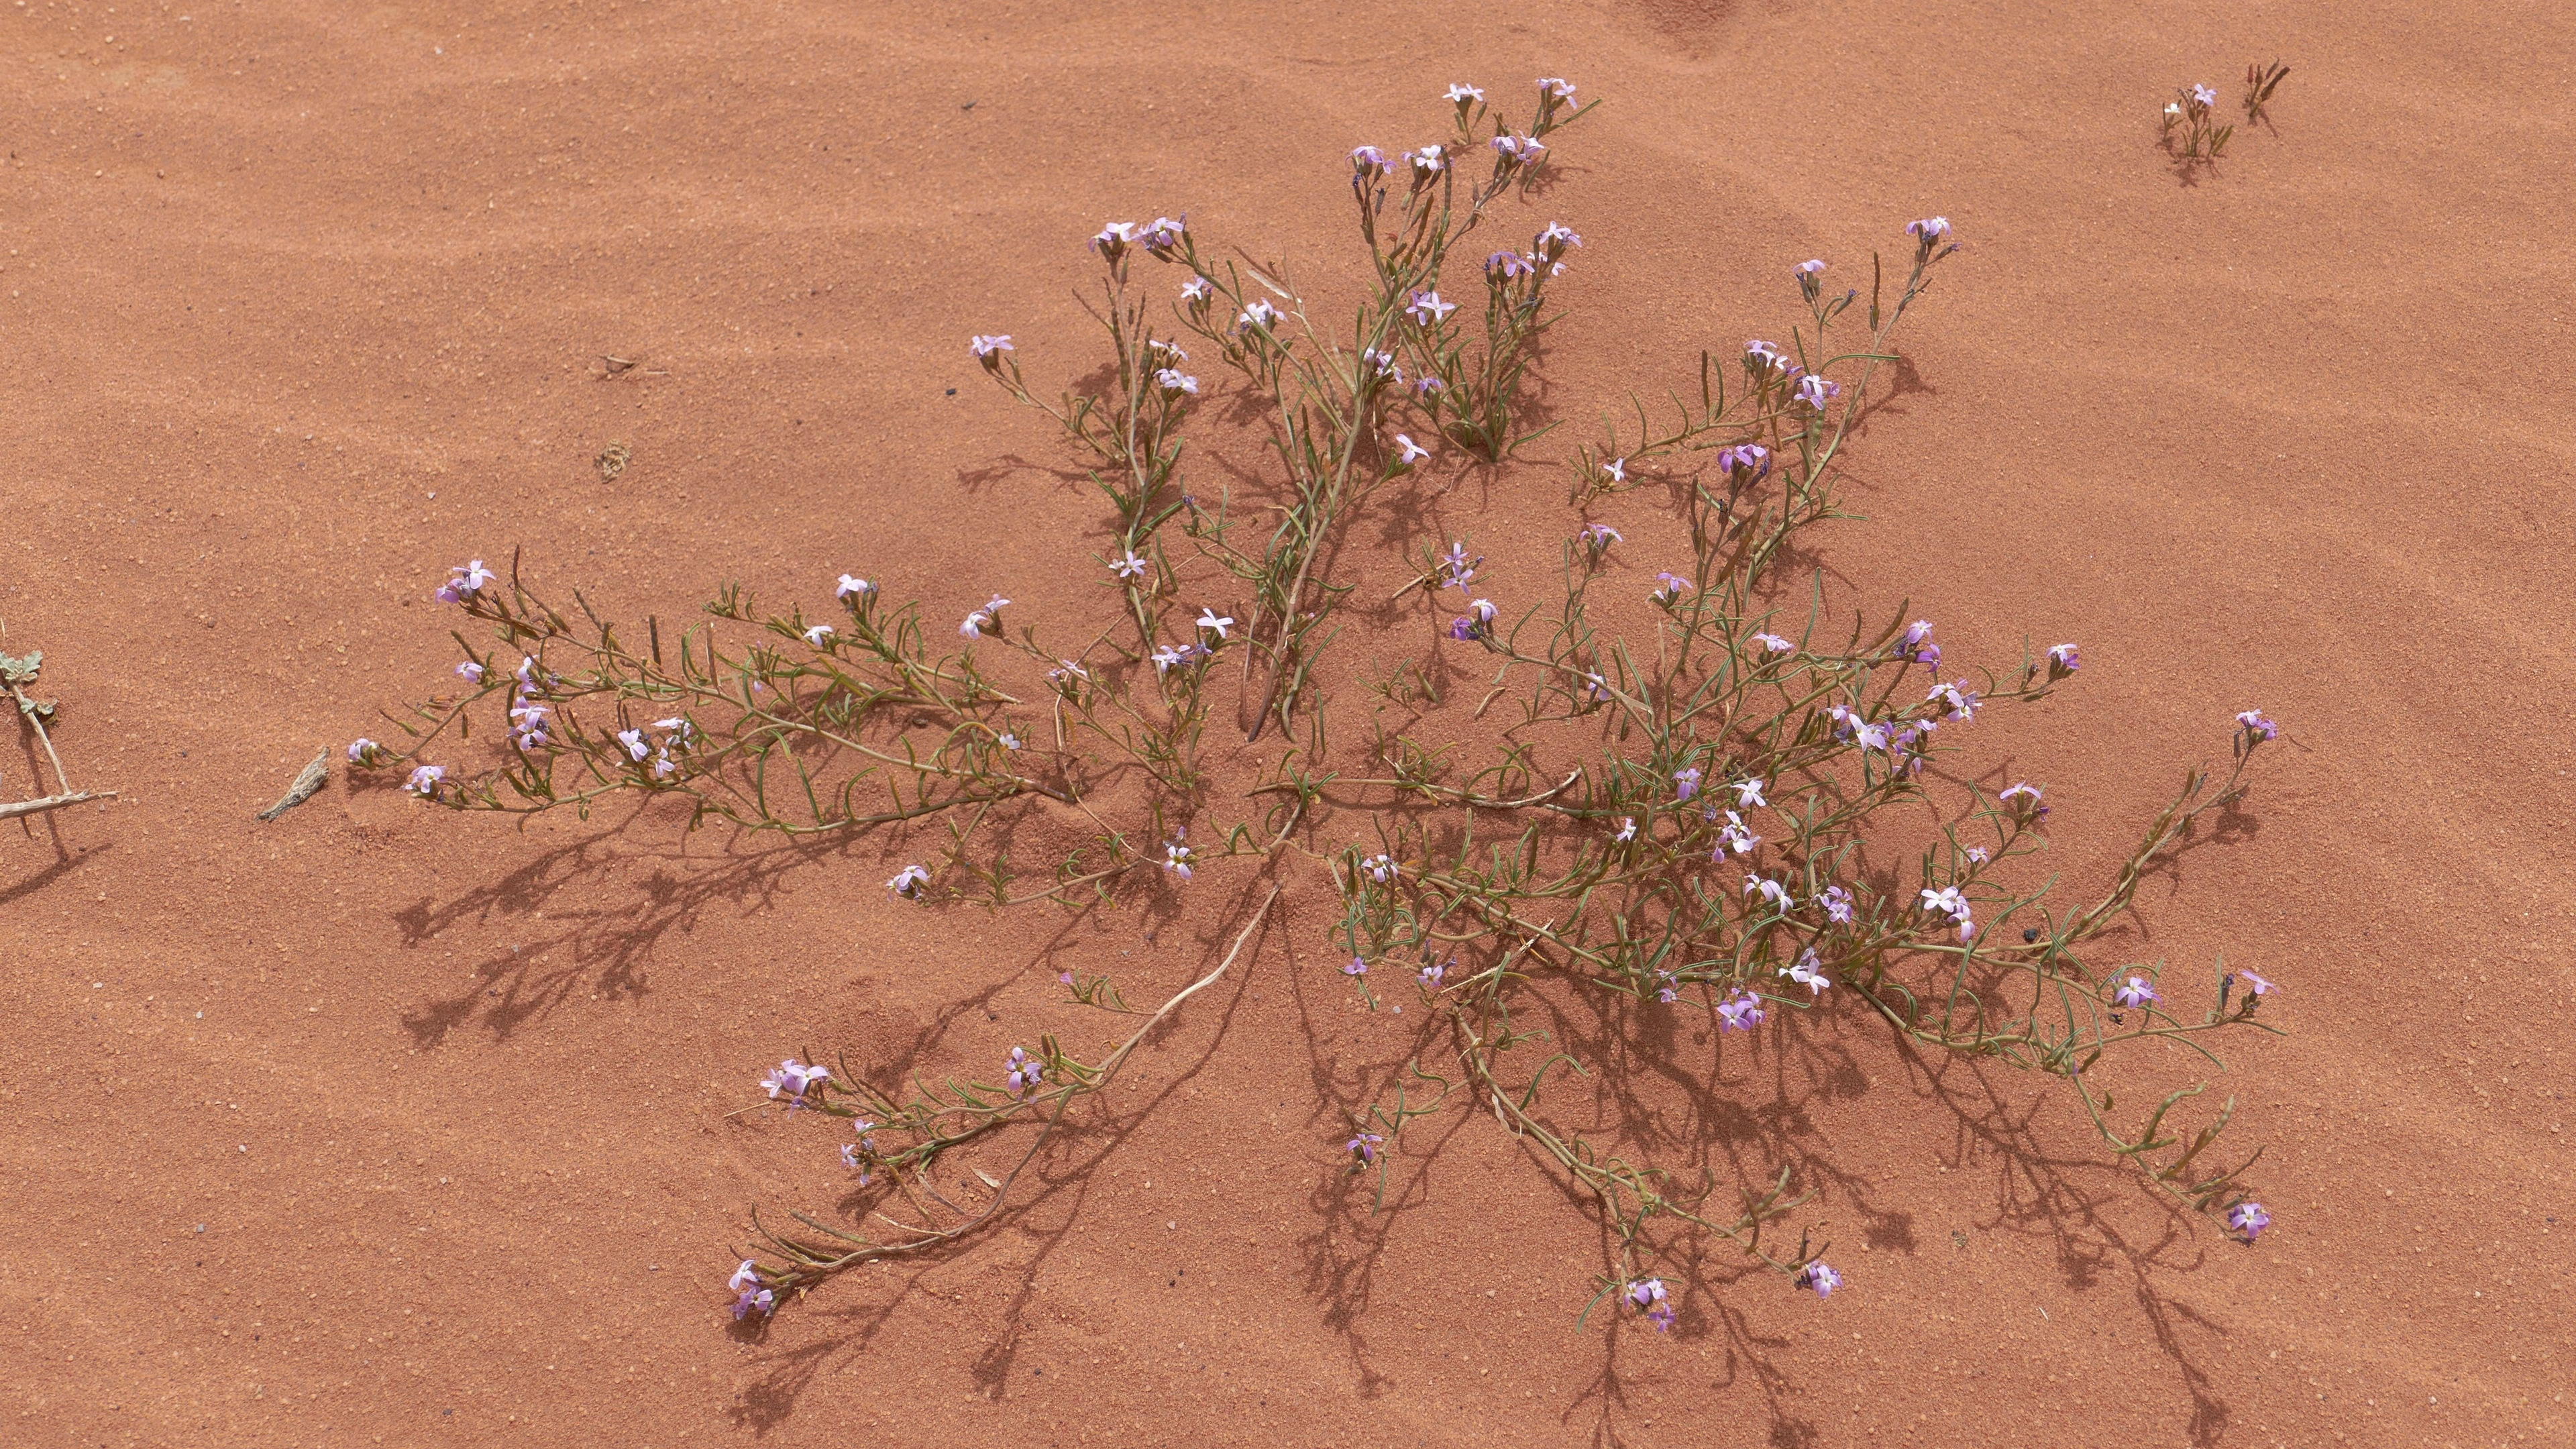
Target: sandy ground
x,y
379,1126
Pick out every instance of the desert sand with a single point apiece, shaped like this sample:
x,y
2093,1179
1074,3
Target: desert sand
x,y
376,1124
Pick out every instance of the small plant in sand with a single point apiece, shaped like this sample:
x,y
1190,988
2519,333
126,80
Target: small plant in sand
x,y
16,675
1684,791
2190,130
2260,82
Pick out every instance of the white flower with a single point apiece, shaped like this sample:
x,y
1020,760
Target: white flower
x,y
1748,793
1409,451
1208,619
1804,971
851,584
975,625
1627,829
1463,94
1129,566
816,635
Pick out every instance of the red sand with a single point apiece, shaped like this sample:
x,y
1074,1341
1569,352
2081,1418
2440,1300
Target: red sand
x,y
375,1125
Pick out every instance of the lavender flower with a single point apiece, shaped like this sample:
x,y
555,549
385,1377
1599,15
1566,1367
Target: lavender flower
x,y
1807,971
1258,314
854,587
1196,292
1961,702
1737,837
2257,727
2257,985
1761,356
752,1297
2023,800
1177,856
2135,992
976,623
1669,587
816,635
1409,452
1837,902
1551,244
1929,230
1748,793
1977,855
1627,829
1686,783
1113,241
2249,1218
1166,657
636,745
1750,458
1425,385
1505,266
1068,676
1455,567
2064,660
1918,645
1369,161
1210,619
2203,97
1774,644
1819,1276
1173,384
1463,629
1427,163
989,350
1465,95
1652,1299
1129,565
1364,1146
1814,391
1164,237
470,672
1668,987
467,582
1740,1012
1021,1072
1382,364
1431,973
1358,967
362,747
1771,890
909,881
1946,900
1599,536
424,780
1616,470
1381,868
1426,309
791,1081
1482,611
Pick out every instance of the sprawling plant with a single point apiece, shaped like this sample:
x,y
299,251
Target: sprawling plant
x,y
1688,800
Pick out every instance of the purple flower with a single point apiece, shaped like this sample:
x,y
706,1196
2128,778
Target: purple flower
x,y
1129,566
1600,536
1651,1298
424,780
1808,972
753,1298
1482,611
1358,967
1814,390
1164,237
1946,900
467,582
1774,644
1021,1071
636,745
1627,829
2259,986
1382,364
1455,567
1196,291
1259,314
1748,793
1918,645
470,672
1977,855
1837,902
2023,800
1960,701
1176,856
1667,987
2256,726
791,1079
1462,629
1553,91
1750,458
2135,992
1616,470
849,1154
1929,230
1381,868
2249,1218
1174,384
1431,973
1410,452
1761,356
1686,783
1737,837
361,747
2203,97
1504,266
854,587
1551,243
1771,890
1364,1146
1819,1276
1740,1012
1426,308
975,625
989,350
908,882
1113,241
1669,587
2064,660
1369,161
1425,385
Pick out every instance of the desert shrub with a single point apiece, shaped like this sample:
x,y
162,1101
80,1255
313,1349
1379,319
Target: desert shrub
x,y
1720,812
